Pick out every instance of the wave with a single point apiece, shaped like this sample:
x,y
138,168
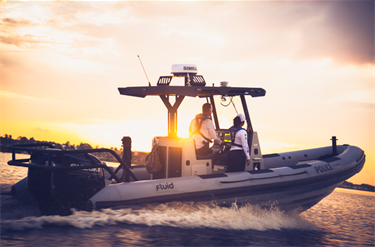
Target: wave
x,y
182,215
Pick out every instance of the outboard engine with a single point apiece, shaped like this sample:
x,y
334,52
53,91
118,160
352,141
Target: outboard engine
x,y
72,188
39,184
59,180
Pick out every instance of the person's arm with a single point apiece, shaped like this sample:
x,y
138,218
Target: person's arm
x,y
211,132
245,146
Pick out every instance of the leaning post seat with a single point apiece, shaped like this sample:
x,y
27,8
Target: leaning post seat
x,y
178,159
201,156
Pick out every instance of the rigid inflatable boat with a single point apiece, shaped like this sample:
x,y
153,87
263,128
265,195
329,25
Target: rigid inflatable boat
x,y
59,180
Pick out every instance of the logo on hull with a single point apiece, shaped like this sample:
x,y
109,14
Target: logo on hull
x,y
190,68
323,168
166,186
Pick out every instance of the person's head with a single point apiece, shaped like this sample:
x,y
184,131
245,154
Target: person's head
x,y
207,109
239,120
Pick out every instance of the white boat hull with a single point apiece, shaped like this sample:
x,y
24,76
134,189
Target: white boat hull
x,y
299,186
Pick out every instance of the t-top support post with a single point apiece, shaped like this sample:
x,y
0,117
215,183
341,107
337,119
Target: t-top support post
x,y
249,125
214,112
172,113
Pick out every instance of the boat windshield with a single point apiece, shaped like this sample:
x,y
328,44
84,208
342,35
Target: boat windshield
x,y
227,109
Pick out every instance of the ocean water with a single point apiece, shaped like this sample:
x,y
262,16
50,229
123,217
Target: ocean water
x,y
344,218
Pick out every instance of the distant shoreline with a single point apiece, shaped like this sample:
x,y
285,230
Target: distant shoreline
x,y
138,157
363,187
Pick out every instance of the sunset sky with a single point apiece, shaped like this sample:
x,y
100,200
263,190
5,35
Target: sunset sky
x,y
62,63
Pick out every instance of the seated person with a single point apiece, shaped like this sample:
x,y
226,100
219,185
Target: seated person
x,y
202,130
238,155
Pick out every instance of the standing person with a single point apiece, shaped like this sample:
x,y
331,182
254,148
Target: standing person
x,y
239,152
202,130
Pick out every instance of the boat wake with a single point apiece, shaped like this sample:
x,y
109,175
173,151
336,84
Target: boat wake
x,y
181,215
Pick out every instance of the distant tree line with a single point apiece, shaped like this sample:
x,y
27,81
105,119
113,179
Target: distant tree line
x,y
6,140
365,187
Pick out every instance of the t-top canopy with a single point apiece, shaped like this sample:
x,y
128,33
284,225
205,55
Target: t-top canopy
x,y
191,91
195,85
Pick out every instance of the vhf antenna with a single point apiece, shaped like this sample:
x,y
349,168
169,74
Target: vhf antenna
x,y
144,70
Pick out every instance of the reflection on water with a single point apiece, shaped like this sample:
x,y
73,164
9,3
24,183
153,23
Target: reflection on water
x,y
348,216
357,192
10,175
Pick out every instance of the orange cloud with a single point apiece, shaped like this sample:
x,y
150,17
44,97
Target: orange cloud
x,y
41,130
16,23
11,33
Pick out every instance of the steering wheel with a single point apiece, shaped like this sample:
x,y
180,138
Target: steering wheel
x,y
224,146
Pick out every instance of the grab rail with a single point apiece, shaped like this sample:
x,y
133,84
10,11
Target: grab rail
x,y
249,179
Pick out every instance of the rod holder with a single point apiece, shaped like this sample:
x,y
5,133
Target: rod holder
x,y
334,145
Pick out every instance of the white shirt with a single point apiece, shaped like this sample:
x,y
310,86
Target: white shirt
x,y
241,139
207,129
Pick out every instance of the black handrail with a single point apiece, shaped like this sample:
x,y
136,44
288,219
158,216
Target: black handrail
x,y
31,148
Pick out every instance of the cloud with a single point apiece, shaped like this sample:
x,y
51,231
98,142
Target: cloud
x,y
11,95
238,31
343,31
41,130
12,33
16,96
16,23
24,41
340,30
